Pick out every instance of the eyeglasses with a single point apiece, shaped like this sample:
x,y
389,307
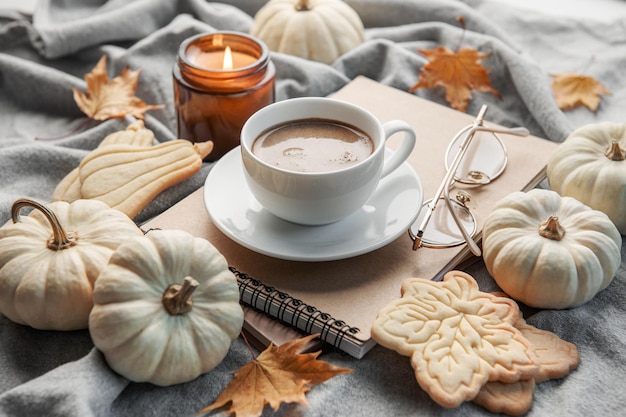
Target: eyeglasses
x,y
475,157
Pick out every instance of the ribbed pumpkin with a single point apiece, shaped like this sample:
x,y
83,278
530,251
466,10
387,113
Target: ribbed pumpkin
x,y
319,30
166,308
550,251
590,165
50,259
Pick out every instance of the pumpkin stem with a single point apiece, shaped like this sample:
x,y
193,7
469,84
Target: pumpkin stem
x,y
302,6
552,229
59,239
177,298
615,152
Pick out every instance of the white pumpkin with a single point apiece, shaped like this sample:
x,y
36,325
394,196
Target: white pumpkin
x,y
550,251
319,30
50,259
590,165
166,308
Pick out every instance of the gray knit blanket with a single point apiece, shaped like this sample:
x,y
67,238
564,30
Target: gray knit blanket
x,y
45,373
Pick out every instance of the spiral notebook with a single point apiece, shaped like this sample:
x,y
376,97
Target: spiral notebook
x,y
339,299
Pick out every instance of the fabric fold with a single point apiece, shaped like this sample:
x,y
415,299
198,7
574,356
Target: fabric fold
x,y
84,388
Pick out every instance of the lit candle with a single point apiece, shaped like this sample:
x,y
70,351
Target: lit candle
x,y
220,80
225,59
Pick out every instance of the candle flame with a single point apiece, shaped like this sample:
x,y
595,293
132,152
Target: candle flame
x,y
228,59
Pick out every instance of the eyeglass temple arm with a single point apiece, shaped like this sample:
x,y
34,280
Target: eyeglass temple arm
x,y
445,184
471,243
517,131
473,246
444,187
449,177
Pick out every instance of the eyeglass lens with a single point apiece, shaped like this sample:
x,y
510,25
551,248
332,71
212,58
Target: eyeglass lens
x,y
442,230
484,160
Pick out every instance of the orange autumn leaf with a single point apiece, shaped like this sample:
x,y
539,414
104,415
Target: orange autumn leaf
x,y
106,99
573,90
458,72
278,375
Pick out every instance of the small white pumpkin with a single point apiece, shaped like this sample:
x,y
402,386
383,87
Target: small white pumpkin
x,y
550,251
319,30
166,308
50,259
590,165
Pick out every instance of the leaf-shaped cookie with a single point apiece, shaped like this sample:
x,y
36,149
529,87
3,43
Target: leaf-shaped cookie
x,y
458,337
514,399
557,358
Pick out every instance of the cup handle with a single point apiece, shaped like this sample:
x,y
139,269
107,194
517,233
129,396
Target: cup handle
x,y
405,148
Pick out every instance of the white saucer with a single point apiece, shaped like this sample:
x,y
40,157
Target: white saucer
x,y
386,215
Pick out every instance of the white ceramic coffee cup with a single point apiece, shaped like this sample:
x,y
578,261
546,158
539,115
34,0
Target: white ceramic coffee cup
x,y
317,198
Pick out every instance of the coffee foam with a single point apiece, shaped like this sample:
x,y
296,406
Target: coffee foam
x,y
313,145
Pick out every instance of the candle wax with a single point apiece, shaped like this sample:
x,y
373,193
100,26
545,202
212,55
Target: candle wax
x,y
214,100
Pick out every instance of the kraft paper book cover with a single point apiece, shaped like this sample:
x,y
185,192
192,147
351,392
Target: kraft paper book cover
x,y
340,299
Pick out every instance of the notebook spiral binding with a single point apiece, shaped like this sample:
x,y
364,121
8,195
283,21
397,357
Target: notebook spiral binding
x,y
292,311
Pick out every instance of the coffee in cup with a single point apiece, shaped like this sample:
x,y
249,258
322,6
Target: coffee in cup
x,y
317,195
313,145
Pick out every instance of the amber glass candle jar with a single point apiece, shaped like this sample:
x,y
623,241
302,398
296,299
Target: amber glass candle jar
x,y
220,80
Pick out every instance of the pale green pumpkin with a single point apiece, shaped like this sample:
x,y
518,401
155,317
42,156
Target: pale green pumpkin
x,y
166,308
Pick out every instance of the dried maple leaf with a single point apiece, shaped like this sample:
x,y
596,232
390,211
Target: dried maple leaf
x,y
278,375
106,99
573,90
458,72
458,337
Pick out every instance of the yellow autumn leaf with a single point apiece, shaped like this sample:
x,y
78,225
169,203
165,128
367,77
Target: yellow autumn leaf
x,y
572,90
